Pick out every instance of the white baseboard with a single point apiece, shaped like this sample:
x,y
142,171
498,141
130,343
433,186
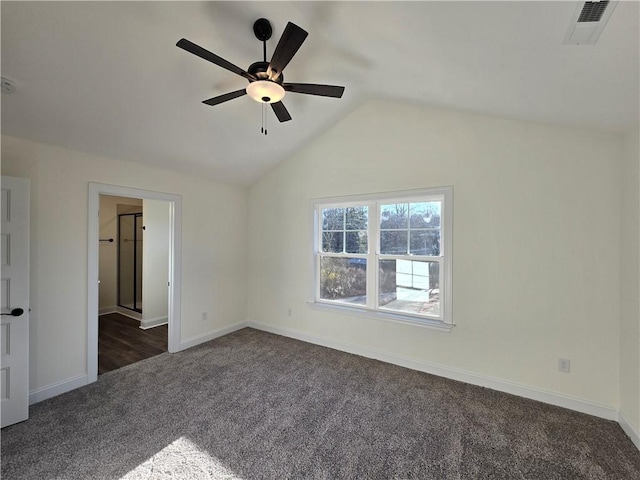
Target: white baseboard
x,y
513,388
72,383
193,341
57,388
629,429
129,313
153,322
105,310
506,386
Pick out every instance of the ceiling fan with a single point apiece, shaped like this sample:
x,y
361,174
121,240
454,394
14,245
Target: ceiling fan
x,y
266,82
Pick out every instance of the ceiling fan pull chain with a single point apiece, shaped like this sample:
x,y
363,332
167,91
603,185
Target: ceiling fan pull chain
x,y
262,119
264,109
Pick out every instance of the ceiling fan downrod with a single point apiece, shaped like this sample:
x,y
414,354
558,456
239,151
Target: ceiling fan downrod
x,y
263,31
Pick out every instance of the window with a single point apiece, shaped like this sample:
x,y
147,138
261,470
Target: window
x,y
389,255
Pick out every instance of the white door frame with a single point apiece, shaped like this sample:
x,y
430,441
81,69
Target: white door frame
x,y
175,263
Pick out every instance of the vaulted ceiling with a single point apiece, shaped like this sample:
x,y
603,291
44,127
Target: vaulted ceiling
x,y
106,77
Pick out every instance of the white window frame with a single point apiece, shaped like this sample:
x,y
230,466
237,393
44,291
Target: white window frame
x,y
373,201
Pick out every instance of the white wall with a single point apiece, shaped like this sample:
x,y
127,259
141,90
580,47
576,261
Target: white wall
x,y
214,238
155,262
536,243
545,259
630,285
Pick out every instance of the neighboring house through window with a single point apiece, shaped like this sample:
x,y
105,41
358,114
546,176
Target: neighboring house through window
x,y
387,254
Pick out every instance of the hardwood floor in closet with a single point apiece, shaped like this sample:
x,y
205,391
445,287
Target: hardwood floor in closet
x,y
121,341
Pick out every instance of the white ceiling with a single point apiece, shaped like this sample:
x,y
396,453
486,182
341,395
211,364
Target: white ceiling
x,y
106,77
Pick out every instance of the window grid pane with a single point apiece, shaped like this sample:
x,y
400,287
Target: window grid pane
x,y
356,218
332,219
333,242
343,279
356,241
409,286
394,216
344,230
424,242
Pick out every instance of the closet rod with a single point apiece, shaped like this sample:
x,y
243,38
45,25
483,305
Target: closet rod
x,y
106,239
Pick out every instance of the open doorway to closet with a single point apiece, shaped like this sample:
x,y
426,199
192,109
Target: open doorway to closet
x,y
133,280
134,276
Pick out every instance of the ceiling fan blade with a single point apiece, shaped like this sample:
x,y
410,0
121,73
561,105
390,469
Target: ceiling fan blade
x,y
315,89
289,43
225,98
213,58
281,112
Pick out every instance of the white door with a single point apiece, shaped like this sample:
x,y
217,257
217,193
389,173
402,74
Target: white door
x,y
14,331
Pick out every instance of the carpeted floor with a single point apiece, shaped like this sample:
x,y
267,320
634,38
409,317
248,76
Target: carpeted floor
x,y
253,405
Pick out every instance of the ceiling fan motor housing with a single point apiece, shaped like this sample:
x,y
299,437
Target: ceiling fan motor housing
x,y
264,89
259,70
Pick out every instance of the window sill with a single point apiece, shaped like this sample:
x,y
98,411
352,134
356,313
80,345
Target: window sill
x,y
378,315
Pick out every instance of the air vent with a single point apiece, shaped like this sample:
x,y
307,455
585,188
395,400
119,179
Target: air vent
x,y
588,21
592,11
7,86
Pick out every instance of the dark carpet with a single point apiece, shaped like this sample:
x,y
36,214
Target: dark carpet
x,y
252,405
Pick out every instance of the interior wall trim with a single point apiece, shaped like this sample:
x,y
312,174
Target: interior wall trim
x,y
505,386
64,386
629,430
129,313
205,337
153,322
57,388
551,398
175,265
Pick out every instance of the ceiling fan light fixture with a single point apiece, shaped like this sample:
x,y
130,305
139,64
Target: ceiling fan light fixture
x,y
265,91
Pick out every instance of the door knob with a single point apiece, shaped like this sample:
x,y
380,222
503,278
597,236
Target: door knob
x,y
16,312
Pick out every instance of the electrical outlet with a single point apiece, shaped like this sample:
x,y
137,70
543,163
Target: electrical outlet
x,y
564,365
204,317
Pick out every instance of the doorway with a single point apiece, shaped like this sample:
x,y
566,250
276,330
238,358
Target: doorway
x,y
170,279
133,301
